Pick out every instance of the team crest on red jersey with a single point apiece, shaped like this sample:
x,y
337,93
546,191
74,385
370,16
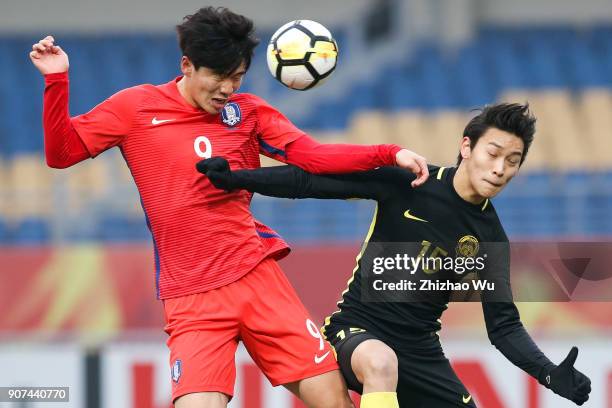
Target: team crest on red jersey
x,y
177,370
231,114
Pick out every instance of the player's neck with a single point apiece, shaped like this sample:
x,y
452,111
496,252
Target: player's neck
x,y
463,187
182,88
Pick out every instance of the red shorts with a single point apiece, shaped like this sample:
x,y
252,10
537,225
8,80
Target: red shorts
x,y
262,310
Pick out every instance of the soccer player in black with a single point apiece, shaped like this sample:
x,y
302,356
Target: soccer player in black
x,y
387,347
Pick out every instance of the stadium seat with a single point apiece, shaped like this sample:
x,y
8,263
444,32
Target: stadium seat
x,y
595,129
401,84
29,184
88,180
370,127
5,236
474,83
579,189
411,130
539,156
31,230
434,88
119,227
446,132
557,115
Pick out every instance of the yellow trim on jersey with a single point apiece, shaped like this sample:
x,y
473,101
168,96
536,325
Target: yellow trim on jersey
x,y
440,171
357,259
485,204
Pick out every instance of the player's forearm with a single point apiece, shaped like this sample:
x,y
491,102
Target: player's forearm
x,y
509,336
518,347
293,182
318,158
280,181
63,146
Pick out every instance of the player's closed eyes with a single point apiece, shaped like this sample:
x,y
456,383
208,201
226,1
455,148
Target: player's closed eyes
x,y
235,77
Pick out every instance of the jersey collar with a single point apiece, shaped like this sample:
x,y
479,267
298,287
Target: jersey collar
x,y
446,175
172,88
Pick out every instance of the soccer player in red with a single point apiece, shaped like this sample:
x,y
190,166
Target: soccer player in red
x,y
215,266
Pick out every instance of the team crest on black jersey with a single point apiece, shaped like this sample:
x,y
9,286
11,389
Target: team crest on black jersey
x,y
467,246
231,114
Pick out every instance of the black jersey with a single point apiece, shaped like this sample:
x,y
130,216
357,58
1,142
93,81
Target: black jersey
x,y
432,215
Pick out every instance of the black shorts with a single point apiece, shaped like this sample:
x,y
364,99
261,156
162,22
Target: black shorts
x,y
425,376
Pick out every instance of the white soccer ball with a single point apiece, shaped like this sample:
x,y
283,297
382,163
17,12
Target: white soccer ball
x,y
302,54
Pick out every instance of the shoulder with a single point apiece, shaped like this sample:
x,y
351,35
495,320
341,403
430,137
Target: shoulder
x,y
251,104
405,175
438,173
391,174
395,173
134,94
498,234
125,101
250,99
143,89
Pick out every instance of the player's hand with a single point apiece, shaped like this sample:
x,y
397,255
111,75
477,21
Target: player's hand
x,y
566,381
218,171
48,58
415,163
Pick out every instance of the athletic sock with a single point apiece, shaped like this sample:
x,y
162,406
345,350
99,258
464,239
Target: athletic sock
x,y
379,400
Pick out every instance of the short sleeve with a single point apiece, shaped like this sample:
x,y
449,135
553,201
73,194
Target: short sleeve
x,y
274,130
107,124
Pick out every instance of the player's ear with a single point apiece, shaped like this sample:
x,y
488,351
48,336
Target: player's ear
x,y
466,148
186,66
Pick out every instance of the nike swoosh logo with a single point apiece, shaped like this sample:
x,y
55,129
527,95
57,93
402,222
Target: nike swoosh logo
x,y
466,399
318,359
158,122
412,217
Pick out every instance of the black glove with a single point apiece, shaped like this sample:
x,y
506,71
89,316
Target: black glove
x,y
566,381
218,171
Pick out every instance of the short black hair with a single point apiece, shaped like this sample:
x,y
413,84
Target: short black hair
x,y
513,118
218,39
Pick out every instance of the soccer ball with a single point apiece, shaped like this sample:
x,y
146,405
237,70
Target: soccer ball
x,y
302,54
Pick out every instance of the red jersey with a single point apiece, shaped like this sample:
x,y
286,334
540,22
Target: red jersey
x,y
204,238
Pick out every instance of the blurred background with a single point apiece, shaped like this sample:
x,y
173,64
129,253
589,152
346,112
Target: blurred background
x,y
76,259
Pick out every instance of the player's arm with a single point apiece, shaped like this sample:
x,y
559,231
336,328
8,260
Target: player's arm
x,y
293,182
71,140
281,140
63,146
320,158
507,333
